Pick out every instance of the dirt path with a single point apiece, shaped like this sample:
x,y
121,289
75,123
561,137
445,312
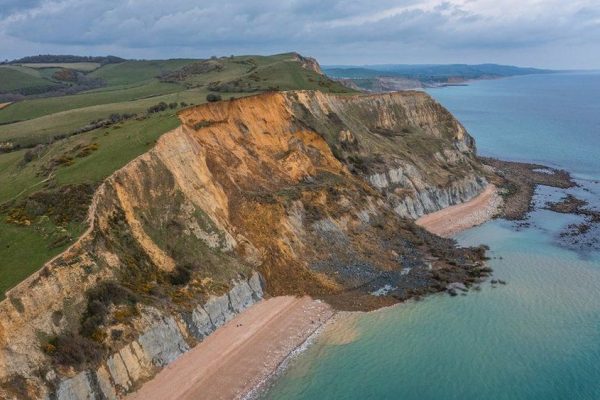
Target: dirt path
x,y
4,105
240,355
451,220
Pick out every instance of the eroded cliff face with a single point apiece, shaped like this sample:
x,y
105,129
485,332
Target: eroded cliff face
x,y
405,144
286,193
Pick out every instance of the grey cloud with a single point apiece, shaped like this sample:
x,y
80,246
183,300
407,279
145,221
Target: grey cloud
x,y
8,7
181,27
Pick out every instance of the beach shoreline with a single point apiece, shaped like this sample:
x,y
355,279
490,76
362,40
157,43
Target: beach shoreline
x,y
243,355
243,358
455,219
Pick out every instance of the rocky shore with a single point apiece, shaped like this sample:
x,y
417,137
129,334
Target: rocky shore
x,y
582,235
517,182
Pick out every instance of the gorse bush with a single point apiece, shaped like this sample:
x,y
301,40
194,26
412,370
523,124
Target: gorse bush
x,y
212,97
162,106
100,298
181,276
74,350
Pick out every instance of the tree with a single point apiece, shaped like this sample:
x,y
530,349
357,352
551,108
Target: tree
x,y
212,97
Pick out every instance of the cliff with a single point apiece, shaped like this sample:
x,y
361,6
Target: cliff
x,y
280,193
405,144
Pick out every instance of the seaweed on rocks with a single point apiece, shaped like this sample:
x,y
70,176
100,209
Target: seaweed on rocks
x,y
581,235
518,181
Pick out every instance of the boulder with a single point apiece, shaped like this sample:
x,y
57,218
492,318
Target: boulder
x,y
240,297
255,283
118,371
199,324
218,310
76,388
103,378
163,343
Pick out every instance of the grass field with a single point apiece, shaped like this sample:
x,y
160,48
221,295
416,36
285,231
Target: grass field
x,y
28,71
17,78
136,71
132,87
35,108
117,145
24,248
41,130
80,66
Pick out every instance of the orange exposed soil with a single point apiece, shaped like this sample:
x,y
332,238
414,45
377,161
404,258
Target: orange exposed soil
x,y
454,219
240,355
4,105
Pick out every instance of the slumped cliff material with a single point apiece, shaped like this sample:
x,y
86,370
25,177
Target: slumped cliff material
x,y
310,190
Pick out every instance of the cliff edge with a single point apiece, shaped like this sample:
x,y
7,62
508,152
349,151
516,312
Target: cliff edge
x,y
279,193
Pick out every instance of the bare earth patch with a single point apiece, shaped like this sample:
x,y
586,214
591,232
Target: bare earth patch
x,y
4,105
454,219
242,354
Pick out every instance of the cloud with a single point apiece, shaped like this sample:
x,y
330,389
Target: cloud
x,y
327,29
11,6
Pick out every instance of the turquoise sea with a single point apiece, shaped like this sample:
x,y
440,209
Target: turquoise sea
x,y
538,337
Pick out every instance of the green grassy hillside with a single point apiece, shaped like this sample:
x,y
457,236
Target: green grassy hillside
x,y
131,72
50,166
78,66
16,78
35,108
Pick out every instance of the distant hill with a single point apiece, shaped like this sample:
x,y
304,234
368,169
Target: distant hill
x,y
53,58
50,75
371,77
430,71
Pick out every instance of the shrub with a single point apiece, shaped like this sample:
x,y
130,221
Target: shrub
x,y
84,151
67,75
181,276
212,97
64,205
33,153
100,298
162,106
73,350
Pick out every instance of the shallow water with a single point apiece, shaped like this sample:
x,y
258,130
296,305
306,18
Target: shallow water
x,y
538,337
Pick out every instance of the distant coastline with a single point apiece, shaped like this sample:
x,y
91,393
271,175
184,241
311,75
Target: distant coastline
x,y
386,78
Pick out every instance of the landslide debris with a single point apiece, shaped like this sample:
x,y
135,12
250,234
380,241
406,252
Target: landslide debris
x,y
308,189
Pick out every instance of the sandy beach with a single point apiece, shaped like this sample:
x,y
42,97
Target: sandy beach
x,y
244,353
240,355
454,219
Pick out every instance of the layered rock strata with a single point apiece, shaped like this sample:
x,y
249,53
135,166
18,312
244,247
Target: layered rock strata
x,y
157,346
312,191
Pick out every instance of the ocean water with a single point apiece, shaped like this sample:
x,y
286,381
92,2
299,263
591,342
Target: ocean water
x,y
552,119
538,337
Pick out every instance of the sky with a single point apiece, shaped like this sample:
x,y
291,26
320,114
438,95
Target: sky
x,y
562,34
